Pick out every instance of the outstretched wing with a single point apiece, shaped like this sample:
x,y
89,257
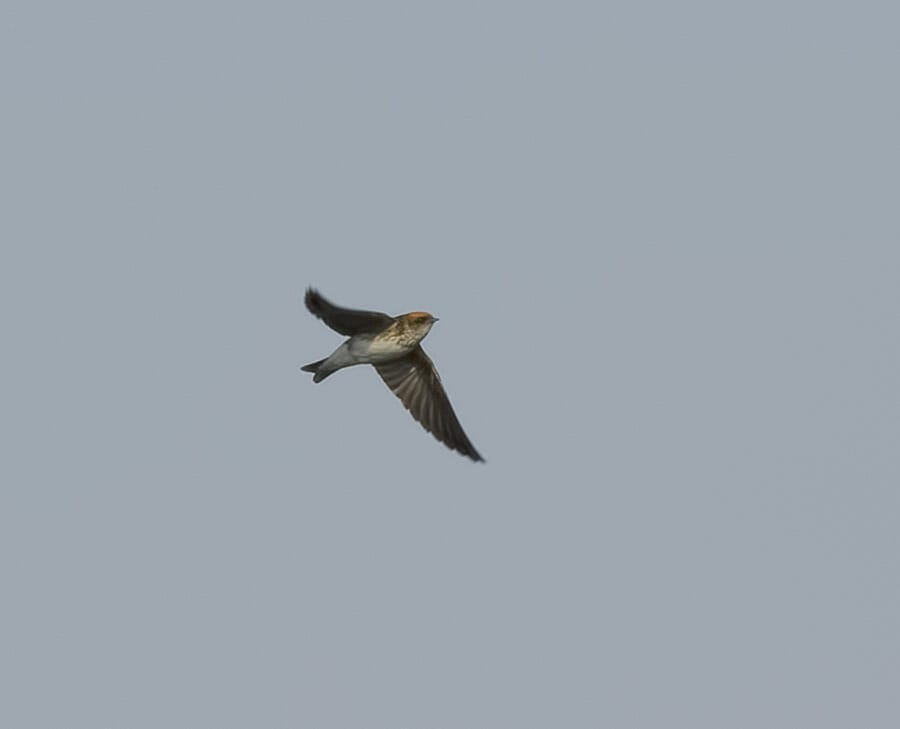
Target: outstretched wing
x,y
346,321
414,379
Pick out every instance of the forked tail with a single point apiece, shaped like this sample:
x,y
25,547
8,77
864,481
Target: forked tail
x,y
314,367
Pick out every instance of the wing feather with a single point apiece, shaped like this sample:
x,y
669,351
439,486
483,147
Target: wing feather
x,y
414,379
346,321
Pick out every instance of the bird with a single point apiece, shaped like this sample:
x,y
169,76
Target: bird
x,y
391,344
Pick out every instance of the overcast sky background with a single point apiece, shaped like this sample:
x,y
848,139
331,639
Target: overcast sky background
x,y
663,242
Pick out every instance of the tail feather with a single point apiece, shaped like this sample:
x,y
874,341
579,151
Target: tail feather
x,y
314,367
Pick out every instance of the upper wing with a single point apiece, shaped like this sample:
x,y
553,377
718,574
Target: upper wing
x,y
346,321
416,382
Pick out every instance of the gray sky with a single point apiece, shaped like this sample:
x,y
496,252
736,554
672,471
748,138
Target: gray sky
x,y
664,246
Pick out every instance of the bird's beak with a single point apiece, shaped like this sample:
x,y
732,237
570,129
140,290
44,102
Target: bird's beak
x,y
434,319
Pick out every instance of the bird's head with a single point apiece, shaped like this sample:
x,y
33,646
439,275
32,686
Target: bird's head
x,y
419,323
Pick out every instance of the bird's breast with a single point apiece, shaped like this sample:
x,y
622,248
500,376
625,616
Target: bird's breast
x,y
380,348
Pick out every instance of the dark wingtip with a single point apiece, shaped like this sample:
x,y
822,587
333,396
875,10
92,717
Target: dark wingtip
x,y
313,300
468,450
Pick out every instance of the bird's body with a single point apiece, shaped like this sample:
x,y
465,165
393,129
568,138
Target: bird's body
x,y
397,340
391,345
